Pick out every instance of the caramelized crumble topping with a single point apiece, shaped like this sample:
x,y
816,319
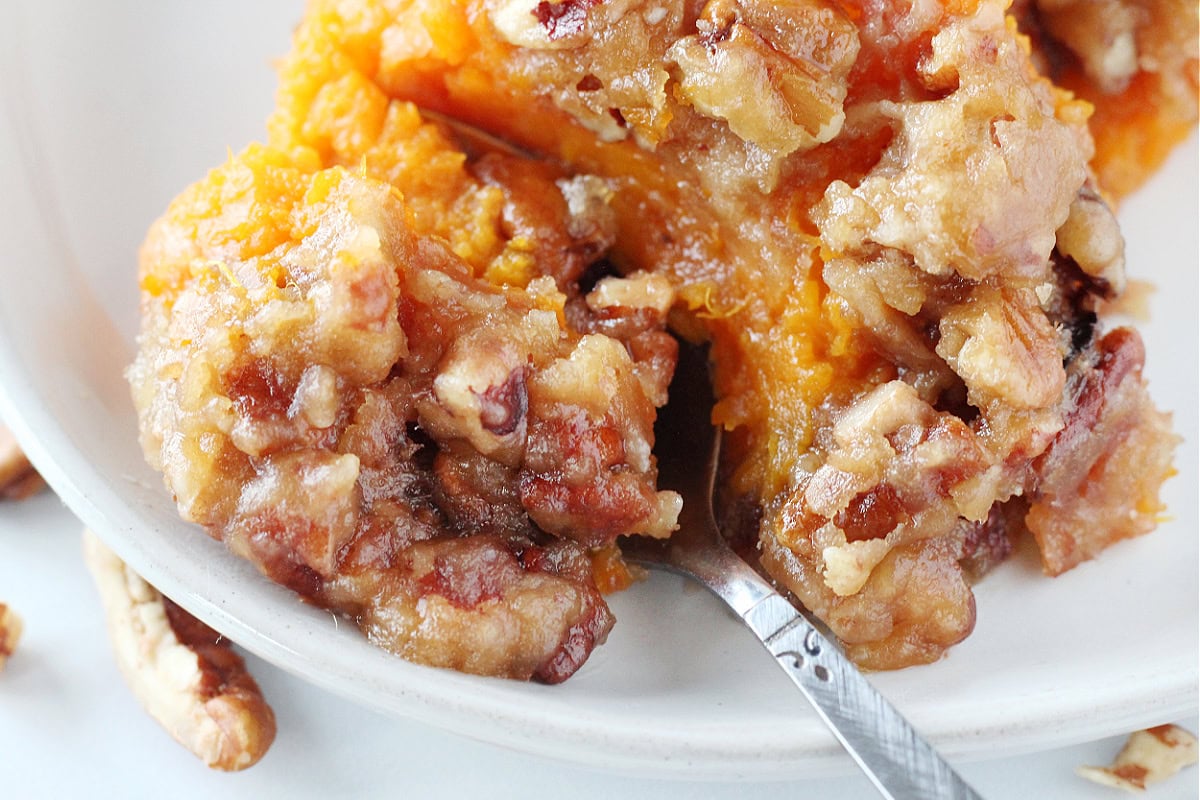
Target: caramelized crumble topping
x,y
414,377
348,405
1136,61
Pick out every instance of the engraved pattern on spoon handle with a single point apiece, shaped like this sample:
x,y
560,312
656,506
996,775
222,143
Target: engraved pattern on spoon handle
x,y
893,755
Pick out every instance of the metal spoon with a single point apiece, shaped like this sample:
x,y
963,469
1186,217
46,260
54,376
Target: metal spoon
x,y
882,742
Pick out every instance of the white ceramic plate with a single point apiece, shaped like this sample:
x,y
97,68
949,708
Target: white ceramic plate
x,y
109,110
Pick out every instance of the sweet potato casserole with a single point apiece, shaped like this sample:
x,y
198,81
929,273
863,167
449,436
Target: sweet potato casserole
x,y
414,376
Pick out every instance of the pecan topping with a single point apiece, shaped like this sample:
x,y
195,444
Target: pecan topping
x,y
563,19
540,24
1098,480
776,72
1091,237
1001,344
503,407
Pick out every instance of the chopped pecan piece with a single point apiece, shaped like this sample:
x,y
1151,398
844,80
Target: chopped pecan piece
x,y
776,72
10,633
542,25
18,478
1098,481
1091,237
1149,756
1004,348
180,670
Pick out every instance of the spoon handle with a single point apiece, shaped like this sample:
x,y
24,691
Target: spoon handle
x,y
886,747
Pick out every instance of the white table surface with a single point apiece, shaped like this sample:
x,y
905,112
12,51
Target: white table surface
x,y
70,728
